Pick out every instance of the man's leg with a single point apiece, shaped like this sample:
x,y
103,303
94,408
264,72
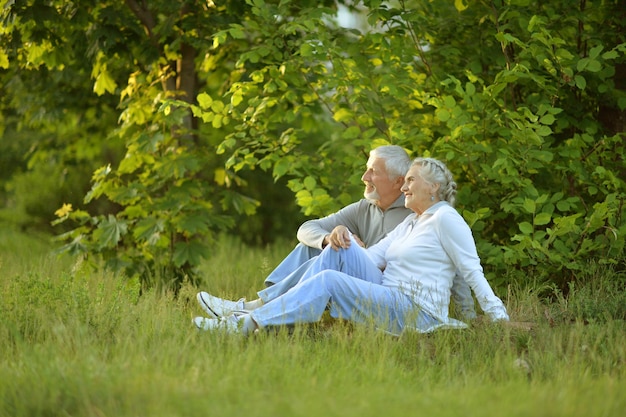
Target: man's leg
x,y
352,261
298,256
286,283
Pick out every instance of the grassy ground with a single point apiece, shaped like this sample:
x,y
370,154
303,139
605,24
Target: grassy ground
x,y
78,343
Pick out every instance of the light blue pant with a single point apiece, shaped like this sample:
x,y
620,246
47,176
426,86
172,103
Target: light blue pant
x,y
289,272
349,283
298,256
295,265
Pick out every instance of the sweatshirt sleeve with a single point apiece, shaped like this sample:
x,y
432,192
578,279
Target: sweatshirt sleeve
x,y
458,242
312,232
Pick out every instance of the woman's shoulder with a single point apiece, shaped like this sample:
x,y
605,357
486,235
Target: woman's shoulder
x,y
444,209
447,214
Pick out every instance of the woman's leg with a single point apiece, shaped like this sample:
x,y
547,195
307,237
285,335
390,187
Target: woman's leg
x,y
349,298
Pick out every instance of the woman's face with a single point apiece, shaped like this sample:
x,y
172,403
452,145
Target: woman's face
x,y
417,192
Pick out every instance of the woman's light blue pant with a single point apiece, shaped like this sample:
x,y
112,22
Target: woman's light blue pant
x,y
291,270
350,285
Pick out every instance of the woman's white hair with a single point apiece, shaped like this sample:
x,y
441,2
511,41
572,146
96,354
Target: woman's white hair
x,y
436,172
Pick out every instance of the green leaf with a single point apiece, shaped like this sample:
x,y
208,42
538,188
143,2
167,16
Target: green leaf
x,y
177,166
304,198
205,100
4,60
149,230
342,115
610,55
104,83
442,114
306,49
449,102
219,38
594,66
217,121
237,98
190,223
237,32
595,51
281,167
135,211
547,119
310,183
526,228
542,218
470,89
580,81
192,252
564,54
544,131
217,106
460,5
131,163
75,246
110,231
529,205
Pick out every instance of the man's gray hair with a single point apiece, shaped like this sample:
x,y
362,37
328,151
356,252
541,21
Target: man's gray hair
x,y
397,161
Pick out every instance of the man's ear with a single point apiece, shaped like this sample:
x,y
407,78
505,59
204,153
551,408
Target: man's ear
x,y
399,181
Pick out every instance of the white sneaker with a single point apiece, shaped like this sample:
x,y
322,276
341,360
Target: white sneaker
x,y
217,307
229,324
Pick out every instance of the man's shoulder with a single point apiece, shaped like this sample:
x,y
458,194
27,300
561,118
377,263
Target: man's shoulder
x,y
363,203
369,205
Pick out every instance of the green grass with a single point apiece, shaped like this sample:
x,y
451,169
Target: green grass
x,y
74,342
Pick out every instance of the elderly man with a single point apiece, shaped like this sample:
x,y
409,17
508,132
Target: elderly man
x,y
368,221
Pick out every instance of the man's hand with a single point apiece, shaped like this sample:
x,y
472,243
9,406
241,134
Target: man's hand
x,y
339,238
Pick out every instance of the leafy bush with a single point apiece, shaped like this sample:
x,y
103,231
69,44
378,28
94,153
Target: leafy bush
x,y
525,100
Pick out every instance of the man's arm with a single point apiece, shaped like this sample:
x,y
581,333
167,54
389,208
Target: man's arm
x,y
315,233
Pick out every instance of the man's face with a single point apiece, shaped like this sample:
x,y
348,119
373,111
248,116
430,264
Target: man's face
x,y
378,186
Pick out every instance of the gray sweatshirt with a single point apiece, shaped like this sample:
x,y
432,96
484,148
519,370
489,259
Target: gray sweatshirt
x,y
363,218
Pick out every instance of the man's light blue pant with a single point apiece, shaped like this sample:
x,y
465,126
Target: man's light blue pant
x,y
349,283
288,273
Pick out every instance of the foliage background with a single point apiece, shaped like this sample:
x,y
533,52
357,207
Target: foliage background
x,y
196,117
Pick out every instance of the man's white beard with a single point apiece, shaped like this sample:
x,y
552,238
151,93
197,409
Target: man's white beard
x,y
372,196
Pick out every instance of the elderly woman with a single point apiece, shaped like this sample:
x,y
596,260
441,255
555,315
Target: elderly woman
x,y
404,281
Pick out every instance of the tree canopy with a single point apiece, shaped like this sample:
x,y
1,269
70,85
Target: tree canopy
x,y
183,109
